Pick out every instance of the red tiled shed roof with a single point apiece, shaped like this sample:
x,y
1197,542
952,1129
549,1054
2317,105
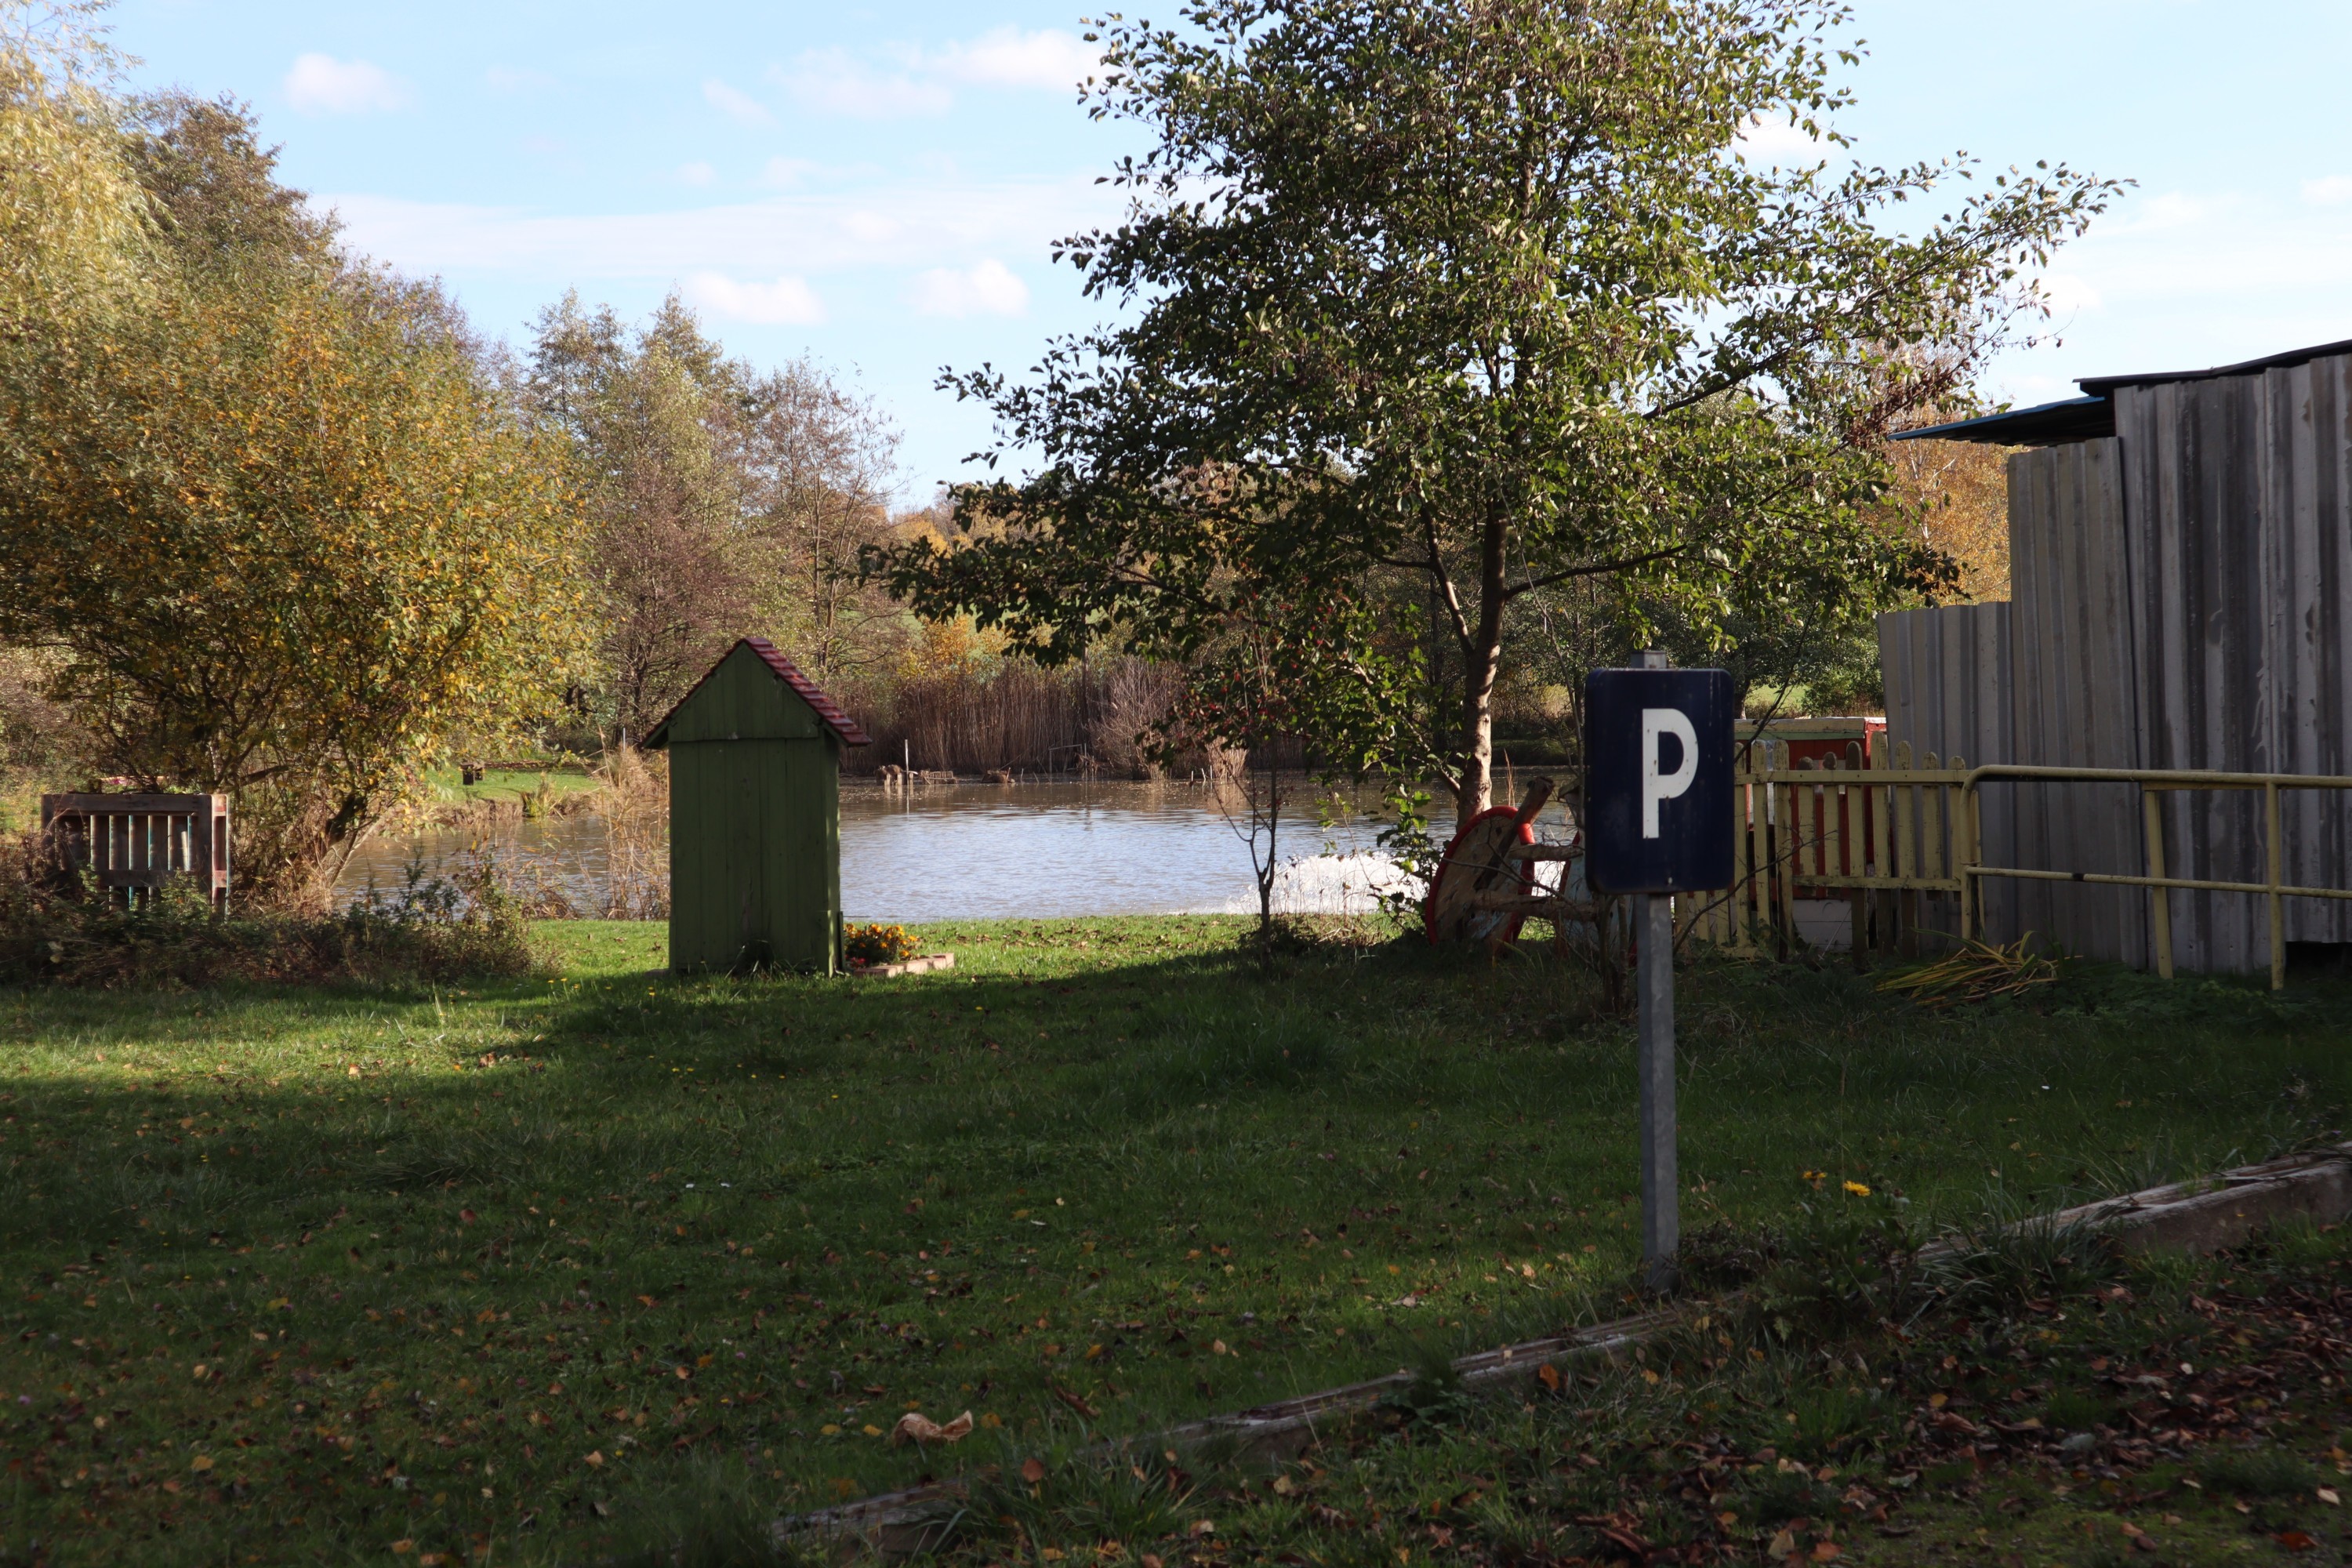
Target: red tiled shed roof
x,y
827,708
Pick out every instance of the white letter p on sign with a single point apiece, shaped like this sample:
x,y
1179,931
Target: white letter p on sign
x,y
1656,723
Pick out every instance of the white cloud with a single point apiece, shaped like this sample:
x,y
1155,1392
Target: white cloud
x,y
696,173
737,105
2333,191
831,83
2068,294
1007,56
989,289
322,84
1776,140
786,173
788,301
909,224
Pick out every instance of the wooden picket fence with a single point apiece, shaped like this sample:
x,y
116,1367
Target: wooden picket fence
x,y
1888,841
132,844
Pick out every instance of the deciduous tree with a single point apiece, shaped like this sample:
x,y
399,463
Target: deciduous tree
x,y
278,523
1450,301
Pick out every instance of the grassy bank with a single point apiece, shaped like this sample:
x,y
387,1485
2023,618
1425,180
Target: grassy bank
x,y
2046,1402
293,1274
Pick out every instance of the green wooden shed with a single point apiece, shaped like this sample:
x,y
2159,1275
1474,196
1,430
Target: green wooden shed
x,y
755,817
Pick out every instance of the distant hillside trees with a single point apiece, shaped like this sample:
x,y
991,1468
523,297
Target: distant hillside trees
x,y
719,499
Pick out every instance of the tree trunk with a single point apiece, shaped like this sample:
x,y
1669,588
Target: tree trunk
x,y
1482,662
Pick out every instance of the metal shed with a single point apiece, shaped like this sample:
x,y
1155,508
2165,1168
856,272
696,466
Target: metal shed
x,y
755,817
2181,563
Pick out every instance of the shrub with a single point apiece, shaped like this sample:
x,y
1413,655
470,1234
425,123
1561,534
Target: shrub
x,y
56,928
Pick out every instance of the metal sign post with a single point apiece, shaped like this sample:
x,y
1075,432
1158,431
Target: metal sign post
x,y
1657,751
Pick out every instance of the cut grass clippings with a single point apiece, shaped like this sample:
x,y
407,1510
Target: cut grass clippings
x,y
514,1268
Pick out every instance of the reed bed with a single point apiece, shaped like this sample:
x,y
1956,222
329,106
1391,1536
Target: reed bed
x,y
1017,718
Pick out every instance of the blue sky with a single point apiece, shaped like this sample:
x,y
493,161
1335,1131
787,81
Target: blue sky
x,y
876,187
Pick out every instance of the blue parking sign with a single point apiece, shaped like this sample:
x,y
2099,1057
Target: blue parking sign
x,y
1658,780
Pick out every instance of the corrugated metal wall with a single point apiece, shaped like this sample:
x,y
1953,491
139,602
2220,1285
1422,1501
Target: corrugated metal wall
x,y
2241,523
2070,646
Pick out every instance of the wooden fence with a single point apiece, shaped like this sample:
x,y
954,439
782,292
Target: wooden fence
x,y
132,844
1889,842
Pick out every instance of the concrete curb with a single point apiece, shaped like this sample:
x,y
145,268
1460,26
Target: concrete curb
x,y
2201,1215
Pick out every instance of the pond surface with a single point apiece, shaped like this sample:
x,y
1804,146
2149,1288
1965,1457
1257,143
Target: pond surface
x,y
979,851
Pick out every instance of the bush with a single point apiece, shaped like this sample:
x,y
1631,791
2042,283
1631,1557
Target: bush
x,y
57,928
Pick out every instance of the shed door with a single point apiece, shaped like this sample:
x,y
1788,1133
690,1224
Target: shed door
x,y
754,854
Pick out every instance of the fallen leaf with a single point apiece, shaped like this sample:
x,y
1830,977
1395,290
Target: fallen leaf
x,y
1827,1550
403,1548
1032,1471
2327,1495
465,1216
1781,1545
595,1458
1283,1487
916,1427
1074,1401
202,1462
2296,1541
1549,1375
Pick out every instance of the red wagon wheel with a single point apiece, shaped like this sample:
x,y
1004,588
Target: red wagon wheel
x,y
1476,863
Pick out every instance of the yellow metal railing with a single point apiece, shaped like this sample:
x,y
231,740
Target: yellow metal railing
x,y
2153,784
1899,831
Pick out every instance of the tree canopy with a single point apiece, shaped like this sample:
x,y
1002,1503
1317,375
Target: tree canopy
x,y
1428,307
278,526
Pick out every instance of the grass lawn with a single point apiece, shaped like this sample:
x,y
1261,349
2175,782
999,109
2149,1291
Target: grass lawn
x,y
559,779
295,1276
2046,1402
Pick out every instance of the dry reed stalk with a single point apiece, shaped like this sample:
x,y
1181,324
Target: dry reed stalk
x,y
632,802
1018,718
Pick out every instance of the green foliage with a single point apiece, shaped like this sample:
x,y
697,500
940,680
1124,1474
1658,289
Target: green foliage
x,y
1848,1263
1428,310
75,231
719,499
58,928
343,545
1435,1396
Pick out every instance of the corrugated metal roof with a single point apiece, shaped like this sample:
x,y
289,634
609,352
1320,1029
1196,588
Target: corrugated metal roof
x,y
2087,417
2100,385
829,710
2047,425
